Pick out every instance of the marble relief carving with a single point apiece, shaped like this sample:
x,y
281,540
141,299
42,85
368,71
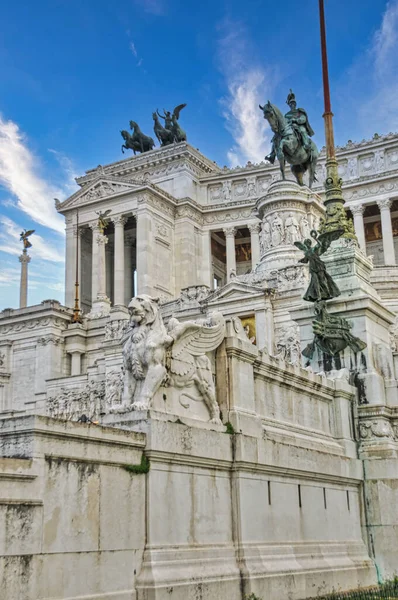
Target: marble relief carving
x,y
287,345
71,404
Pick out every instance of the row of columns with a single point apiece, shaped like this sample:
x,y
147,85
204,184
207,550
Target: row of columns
x,y
386,229
230,233
122,263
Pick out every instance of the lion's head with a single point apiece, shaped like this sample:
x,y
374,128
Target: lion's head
x,y
143,309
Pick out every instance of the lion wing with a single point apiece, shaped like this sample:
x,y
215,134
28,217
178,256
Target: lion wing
x,y
195,340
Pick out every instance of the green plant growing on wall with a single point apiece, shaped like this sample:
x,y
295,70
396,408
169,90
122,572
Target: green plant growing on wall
x,y
230,430
140,469
252,597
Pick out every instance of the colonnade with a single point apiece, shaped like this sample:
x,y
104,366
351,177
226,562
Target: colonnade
x,y
119,263
230,233
386,228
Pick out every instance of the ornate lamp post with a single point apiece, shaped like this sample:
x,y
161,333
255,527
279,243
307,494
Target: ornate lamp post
x,y
336,223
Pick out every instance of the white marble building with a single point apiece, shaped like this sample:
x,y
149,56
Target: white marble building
x,y
298,499
177,218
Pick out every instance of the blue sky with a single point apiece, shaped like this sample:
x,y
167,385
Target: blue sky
x,y
74,72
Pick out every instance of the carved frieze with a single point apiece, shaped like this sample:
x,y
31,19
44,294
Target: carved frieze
x,y
251,187
71,403
287,345
113,389
215,193
49,339
240,189
32,324
115,329
223,217
192,296
375,430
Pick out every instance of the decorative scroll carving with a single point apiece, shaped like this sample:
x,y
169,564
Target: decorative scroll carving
x,y
49,339
375,429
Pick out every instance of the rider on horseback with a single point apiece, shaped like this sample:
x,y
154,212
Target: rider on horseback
x,y
299,120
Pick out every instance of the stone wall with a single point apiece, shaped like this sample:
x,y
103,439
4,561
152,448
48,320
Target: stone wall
x,y
72,518
273,508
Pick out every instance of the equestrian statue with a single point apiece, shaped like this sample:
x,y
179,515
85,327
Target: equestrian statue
x,y
137,141
292,141
171,132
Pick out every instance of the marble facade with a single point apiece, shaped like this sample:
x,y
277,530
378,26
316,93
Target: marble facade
x,y
266,475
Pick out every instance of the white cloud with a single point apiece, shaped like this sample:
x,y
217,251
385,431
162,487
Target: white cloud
x,y
69,185
248,85
133,49
19,170
10,242
10,276
375,77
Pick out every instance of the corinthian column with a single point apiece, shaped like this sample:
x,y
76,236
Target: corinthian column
x,y
128,268
357,212
94,263
386,228
230,233
24,259
101,240
254,229
119,274
101,305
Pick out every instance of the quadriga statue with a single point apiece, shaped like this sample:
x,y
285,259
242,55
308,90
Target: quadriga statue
x,y
175,357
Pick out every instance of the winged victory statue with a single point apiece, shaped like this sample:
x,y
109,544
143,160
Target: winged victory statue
x,y
24,238
171,132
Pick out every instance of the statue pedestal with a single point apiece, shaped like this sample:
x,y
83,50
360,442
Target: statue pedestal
x,y
141,420
360,304
288,213
101,308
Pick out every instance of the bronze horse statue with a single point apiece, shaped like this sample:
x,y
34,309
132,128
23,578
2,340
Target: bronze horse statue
x,y
288,147
165,136
137,141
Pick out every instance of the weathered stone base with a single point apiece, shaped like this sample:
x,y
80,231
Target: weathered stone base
x,y
217,516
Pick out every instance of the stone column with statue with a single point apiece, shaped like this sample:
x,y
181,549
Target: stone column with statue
x,y
101,303
24,259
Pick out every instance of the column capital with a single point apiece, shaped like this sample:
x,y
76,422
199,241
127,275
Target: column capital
x,y
384,204
229,232
101,239
24,258
357,209
119,220
94,226
254,227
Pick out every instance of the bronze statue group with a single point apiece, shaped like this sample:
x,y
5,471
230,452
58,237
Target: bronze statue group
x,y
170,133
